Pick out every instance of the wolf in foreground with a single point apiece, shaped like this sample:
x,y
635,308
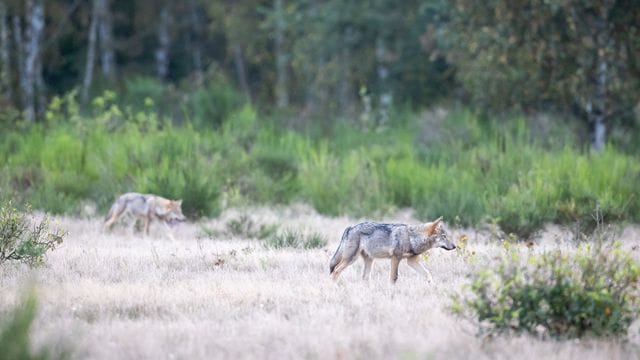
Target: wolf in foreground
x,y
147,207
393,241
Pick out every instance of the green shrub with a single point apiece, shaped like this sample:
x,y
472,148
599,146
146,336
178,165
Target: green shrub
x,y
459,166
594,291
290,238
24,239
211,105
243,226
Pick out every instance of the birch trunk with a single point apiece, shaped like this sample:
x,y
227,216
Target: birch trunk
x,y
598,109
16,23
195,39
382,70
106,39
5,79
164,41
344,92
91,56
35,17
238,60
282,77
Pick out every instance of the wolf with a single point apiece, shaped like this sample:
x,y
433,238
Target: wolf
x,y
392,241
147,207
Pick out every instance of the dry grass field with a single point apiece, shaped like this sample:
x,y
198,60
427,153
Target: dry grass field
x,y
201,296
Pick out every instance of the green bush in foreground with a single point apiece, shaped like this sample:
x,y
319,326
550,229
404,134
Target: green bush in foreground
x,y
14,333
594,291
24,239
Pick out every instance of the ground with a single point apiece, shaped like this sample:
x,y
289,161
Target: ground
x,y
201,296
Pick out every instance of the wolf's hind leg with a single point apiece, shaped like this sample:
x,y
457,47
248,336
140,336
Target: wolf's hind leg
x,y
347,259
115,213
349,252
418,266
368,261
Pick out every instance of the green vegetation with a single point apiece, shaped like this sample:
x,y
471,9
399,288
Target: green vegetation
x,y
290,238
244,226
14,333
458,166
24,239
594,291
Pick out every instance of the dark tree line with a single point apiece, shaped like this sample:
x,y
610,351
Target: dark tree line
x,y
325,56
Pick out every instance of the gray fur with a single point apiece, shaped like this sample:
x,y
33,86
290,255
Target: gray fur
x,y
147,207
373,240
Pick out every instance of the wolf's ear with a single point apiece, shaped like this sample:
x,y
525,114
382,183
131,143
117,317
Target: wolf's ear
x,y
432,226
179,202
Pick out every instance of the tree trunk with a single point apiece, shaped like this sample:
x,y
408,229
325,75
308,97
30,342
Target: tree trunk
x,y
282,76
384,92
35,17
19,47
91,56
238,60
106,39
164,41
344,92
195,40
5,78
598,110
40,88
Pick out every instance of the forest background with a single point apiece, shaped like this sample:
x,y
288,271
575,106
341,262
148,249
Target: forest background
x,y
517,113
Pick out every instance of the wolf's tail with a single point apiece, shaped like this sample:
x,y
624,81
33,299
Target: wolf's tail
x,y
337,257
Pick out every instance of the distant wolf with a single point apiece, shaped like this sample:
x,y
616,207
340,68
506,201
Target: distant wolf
x,y
393,241
146,207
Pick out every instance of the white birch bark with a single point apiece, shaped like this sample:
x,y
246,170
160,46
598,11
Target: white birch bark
x,y
18,41
107,57
282,58
238,59
91,56
5,79
164,41
35,18
597,108
195,39
382,70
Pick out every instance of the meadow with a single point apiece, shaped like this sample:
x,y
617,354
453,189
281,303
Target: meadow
x,y
211,294
267,199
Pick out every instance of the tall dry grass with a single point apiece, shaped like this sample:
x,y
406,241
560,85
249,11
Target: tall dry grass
x,y
120,296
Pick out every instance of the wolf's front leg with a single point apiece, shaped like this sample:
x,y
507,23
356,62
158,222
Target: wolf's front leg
x,y
393,275
169,231
418,266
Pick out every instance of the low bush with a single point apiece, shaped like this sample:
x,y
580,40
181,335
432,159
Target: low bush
x,y
290,238
594,291
25,239
243,226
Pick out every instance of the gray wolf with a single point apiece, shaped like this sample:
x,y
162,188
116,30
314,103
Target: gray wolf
x,y
147,207
391,241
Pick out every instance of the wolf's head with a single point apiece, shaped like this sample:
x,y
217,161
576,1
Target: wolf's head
x,y
173,212
435,232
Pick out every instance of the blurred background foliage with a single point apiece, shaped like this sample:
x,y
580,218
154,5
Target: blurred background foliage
x,y
518,112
